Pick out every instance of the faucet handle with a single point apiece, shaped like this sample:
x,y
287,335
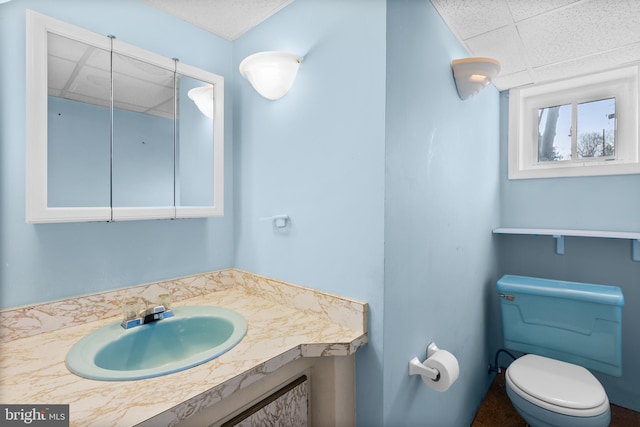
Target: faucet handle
x,y
130,309
165,300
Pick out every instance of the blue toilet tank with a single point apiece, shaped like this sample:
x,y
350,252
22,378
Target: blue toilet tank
x,y
578,323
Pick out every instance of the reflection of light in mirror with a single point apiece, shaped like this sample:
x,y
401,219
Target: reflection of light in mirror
x,y
203,98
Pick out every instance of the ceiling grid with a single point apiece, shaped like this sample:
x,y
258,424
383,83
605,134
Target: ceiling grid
x,y
535,41
546,40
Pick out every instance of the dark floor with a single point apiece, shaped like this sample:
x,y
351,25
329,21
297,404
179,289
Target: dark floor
x,y
497,411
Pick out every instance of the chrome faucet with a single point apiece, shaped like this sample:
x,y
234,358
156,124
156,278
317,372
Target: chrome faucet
x,y
152,312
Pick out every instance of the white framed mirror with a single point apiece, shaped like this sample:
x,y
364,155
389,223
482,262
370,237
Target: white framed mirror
x,y
199,164
112,133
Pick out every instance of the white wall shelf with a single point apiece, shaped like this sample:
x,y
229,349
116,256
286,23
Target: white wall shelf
x,y
560,234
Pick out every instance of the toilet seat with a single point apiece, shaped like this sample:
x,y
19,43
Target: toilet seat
x,y
557,386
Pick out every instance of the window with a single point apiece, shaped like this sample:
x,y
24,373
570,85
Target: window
x,y
580,127
594,136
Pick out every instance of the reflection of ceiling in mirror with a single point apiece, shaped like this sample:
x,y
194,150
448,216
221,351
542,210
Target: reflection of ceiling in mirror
x,y
80,72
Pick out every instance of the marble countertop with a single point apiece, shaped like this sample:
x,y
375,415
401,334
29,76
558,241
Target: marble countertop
x,y
285,322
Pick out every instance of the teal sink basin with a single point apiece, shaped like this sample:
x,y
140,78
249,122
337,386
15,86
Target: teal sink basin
x,y
195,335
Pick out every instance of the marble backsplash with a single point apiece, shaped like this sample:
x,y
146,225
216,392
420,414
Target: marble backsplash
x,y
35,319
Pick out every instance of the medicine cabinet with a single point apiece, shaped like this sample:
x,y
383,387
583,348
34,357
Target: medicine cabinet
x,y
115,132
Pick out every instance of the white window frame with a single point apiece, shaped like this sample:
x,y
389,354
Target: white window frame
x,y
524,103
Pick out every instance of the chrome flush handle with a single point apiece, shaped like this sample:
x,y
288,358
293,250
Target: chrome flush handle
x,y
507,297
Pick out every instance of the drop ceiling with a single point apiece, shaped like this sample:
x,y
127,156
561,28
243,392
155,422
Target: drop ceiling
x,y
535,40
546,40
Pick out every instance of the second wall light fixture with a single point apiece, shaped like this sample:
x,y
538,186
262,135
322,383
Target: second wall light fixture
x,y
270,73
203,98
473,74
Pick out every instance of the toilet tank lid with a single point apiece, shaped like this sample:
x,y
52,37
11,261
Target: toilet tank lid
x,y
602,294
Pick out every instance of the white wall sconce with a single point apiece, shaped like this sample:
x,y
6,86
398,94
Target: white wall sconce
x,y
270,73
203,98
473,74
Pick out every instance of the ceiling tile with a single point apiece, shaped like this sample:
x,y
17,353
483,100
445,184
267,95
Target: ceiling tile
x,y
504,82
579,30
502,44
534,40
586,65
522,9
473,17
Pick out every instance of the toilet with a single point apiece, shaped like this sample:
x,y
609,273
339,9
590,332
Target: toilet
x,y
549,392
563,328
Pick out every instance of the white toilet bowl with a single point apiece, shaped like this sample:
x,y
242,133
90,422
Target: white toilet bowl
x,y
550,393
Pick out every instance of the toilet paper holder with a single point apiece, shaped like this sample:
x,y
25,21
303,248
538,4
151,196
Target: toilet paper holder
x,y
417,368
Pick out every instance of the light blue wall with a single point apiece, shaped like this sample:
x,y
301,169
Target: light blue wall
x,y
78,171
392,183
139,139
583,203
51,261
318,155
442,201
592,203
84,131
143,172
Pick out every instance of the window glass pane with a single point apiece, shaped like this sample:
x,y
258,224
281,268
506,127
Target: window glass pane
x,y
596,128
554,133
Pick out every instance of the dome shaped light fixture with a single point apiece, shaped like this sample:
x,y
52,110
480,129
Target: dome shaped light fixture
x,y
473,74
203,98
270,73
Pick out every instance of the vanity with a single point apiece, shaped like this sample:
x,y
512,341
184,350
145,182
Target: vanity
x,y
299,341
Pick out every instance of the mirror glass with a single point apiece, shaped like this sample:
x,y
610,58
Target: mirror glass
x,y
115,132
78,123
195,156
143,134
